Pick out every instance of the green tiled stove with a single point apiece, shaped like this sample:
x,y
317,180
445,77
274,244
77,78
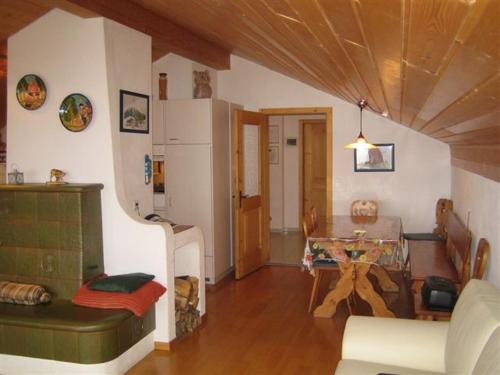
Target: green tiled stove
x,y
51,235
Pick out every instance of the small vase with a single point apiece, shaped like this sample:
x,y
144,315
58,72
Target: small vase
x,y
162,81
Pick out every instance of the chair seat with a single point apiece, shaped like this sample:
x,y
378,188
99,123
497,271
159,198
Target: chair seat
x,y
422,237
324,262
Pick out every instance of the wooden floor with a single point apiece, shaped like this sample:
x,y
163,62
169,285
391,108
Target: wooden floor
x,y
287,248
260,325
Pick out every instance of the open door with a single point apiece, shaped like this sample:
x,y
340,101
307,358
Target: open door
x,y
250,191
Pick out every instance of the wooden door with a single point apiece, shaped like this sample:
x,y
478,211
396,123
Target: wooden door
x,y
250,191
314,167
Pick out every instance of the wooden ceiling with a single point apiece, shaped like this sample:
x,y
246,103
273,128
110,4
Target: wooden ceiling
x,y
433,65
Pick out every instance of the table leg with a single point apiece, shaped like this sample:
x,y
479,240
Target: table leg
x,y
384,279
342,290
365,290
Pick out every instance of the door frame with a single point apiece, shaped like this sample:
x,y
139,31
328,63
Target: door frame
x,y
328,112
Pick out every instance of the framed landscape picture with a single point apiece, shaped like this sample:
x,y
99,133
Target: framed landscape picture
x,y
380,159
134,112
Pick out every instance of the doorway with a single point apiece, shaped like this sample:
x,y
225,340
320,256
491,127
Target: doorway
x,y
300,175
313,168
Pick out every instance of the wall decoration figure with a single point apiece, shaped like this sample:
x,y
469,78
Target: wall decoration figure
x,y
56,177
31,92
162,86
379,159
202,87
134,112
75,112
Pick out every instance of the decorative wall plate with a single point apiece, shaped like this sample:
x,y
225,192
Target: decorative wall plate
x,y
75,112
31,92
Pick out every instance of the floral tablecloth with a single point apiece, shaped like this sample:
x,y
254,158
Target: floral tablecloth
x,y
331,250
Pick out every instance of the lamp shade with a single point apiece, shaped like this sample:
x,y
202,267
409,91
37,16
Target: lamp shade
x,y
360,142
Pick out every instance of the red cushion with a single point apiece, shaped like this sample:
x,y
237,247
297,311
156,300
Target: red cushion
x,y
138,301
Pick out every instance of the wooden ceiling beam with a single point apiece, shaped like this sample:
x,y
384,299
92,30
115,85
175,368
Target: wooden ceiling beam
x,y
167,36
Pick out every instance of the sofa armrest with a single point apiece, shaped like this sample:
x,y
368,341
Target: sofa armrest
x,y
407,343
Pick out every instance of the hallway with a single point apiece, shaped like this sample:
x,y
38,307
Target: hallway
x,y
287,248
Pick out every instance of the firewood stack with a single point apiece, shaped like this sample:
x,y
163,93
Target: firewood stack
x,y
187,317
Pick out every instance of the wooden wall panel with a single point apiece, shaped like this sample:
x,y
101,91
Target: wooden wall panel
x,y
481,100
483,160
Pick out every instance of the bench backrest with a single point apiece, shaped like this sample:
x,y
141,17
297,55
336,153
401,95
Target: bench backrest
x,y
458,245
443,206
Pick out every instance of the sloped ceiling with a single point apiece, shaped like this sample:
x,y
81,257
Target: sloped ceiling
x,y
433,65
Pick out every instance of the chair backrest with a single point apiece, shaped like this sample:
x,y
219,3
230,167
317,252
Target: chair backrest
x,y
443,206
314,217
458,246
364,208
307,225
481,259
474,322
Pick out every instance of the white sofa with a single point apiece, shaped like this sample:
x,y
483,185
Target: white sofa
x,y
468,344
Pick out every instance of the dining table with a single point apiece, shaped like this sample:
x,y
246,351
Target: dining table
x,y
359,245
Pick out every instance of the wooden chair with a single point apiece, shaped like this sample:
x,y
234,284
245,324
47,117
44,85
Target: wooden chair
x,y
364,208
481,259
480,262
309,224
314,217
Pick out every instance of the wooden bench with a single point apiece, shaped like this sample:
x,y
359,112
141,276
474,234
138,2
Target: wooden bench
x,y
480,261
450,259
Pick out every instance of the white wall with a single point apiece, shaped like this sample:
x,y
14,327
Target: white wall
x,y
180,76
37,142
422,173
129,68
479,198
285,176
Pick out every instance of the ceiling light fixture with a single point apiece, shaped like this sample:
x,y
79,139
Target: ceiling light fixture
x,y
361,142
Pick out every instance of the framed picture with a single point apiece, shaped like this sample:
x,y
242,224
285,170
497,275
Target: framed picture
x,y
134,112
274,134
380,159
274,154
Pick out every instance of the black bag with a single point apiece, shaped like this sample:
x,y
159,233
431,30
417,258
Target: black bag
x,y
439,294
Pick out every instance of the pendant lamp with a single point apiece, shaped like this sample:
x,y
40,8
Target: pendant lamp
x,y
360,142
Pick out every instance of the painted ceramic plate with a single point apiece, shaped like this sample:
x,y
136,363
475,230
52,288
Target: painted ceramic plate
x,y
75,112
31,92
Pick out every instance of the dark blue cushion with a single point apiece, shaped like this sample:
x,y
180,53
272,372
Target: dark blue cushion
x,y
422,237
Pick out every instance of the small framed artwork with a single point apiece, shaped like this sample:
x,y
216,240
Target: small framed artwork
x,y
31,92
274,134
274,154
380,159
134,112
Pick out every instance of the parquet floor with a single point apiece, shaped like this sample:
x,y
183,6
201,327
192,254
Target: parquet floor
x,y
287,248
259,326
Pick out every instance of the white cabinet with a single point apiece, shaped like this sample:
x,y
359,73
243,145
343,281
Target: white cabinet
x,y
196,138
188,188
